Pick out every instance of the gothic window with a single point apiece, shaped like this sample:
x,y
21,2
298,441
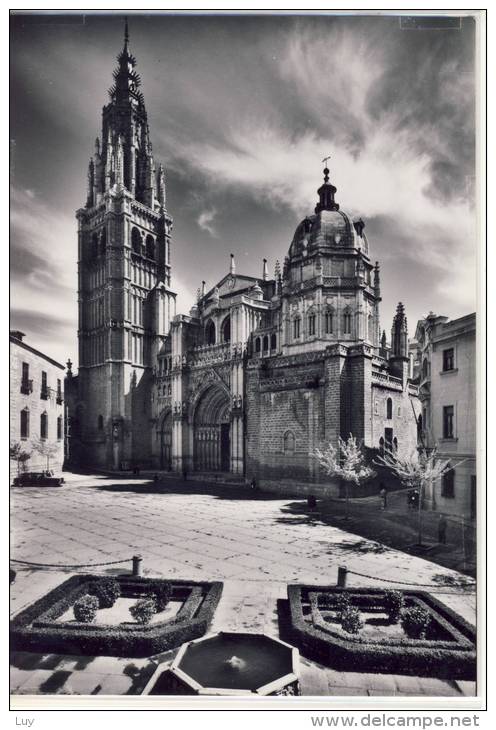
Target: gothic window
x,y
388,438
289,442
136,240
265,343
389,408
311,324
296,328
25,423
210,333
376,407
347,322
226,329
100,423
329,323
273,342
44,425
150,247
59,428
257,344
448,484
425,369
395,444
448,422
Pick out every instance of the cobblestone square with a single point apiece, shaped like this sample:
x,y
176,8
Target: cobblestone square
x,y
193,530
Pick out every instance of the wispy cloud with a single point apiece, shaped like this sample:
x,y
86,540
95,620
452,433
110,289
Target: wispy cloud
x,y
397,161
43,273
205,220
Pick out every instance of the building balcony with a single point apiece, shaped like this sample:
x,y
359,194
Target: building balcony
x,y
45,393
26,387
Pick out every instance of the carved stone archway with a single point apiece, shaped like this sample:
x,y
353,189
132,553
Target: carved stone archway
x,y
212,430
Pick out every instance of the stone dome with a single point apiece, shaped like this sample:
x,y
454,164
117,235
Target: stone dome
x,y
329,227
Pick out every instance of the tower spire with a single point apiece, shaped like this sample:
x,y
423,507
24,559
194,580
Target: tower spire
x,y
399,333
126,33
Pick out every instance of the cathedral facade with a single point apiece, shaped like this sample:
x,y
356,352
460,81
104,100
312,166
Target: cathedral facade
x,y
261,371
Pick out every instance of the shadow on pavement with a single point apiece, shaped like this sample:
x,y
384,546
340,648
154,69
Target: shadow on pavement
x,y
395,527
171,486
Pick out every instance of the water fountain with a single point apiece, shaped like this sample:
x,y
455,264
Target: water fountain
x,y
229,664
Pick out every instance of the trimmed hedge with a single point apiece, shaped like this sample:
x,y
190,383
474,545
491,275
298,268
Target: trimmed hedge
x,y
107,591
455,659
36,628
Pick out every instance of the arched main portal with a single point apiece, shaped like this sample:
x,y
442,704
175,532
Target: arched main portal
x,y
212,431
166,442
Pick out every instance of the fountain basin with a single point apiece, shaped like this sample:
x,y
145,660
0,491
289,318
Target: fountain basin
x,y
230,664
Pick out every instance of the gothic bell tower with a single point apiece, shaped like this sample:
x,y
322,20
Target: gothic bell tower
x,y
124,275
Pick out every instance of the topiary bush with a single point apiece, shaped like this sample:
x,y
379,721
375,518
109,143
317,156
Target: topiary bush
x,y
415,622
343,603
85,609
161,594
107,590
394,602
143,610
351,621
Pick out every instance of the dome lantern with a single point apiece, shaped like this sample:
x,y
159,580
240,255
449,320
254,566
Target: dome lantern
x,y
326,194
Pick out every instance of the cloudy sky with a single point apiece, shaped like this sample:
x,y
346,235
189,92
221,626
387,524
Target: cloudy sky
x,y
242,110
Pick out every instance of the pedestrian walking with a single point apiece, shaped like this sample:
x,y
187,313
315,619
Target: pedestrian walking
x,y
253,484
185,473
441,529
383,495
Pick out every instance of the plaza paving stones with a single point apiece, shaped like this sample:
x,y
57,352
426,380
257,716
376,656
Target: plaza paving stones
x,y
198,531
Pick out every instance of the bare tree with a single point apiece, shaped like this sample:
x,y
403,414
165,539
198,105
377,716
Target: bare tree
x,y
46,448
417,471
346,462
18,454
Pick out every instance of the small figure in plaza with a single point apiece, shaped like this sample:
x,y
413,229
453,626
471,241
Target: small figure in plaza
x,y
383,495
185,473
410,498
253,484
155,477
441,529
415,499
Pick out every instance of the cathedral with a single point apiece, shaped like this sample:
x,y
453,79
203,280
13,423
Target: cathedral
x,y
261,372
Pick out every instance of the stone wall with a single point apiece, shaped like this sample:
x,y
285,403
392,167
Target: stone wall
x,y
402,423
36,406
